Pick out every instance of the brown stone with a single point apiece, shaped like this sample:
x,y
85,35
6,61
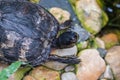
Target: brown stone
x,y
113,59
91,66
42,73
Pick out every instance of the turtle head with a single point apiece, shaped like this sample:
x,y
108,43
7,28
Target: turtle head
x,y
67,39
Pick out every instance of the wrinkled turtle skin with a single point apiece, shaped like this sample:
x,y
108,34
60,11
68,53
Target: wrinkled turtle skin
x,y
26,33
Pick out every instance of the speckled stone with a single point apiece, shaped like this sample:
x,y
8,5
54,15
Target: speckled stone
x,y
42,73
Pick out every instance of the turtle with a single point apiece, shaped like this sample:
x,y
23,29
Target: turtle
x,y
28,32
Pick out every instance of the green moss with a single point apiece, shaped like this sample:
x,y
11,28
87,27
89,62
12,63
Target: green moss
x,y
89,29
109,45
100,3
19,74
104,18
72,2
92,43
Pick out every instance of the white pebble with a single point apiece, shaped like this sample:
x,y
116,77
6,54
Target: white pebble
x,y
69,76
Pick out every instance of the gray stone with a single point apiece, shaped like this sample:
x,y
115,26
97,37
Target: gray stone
x,y
69,68
55,65
82,45
68,76
107,74
102,52
100,42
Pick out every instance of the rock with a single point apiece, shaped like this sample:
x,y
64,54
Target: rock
x,y
65,52
82,45
60,52
89,13
91,66
68,76
55,65
113,59
107,74
100,43
102,52
60,14
28,77
69,68
103,79
42,73
110,40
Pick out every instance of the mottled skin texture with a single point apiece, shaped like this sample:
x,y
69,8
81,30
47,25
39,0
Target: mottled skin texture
x,y
27,32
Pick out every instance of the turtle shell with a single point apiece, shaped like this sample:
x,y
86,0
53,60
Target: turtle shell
x,y
26,32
